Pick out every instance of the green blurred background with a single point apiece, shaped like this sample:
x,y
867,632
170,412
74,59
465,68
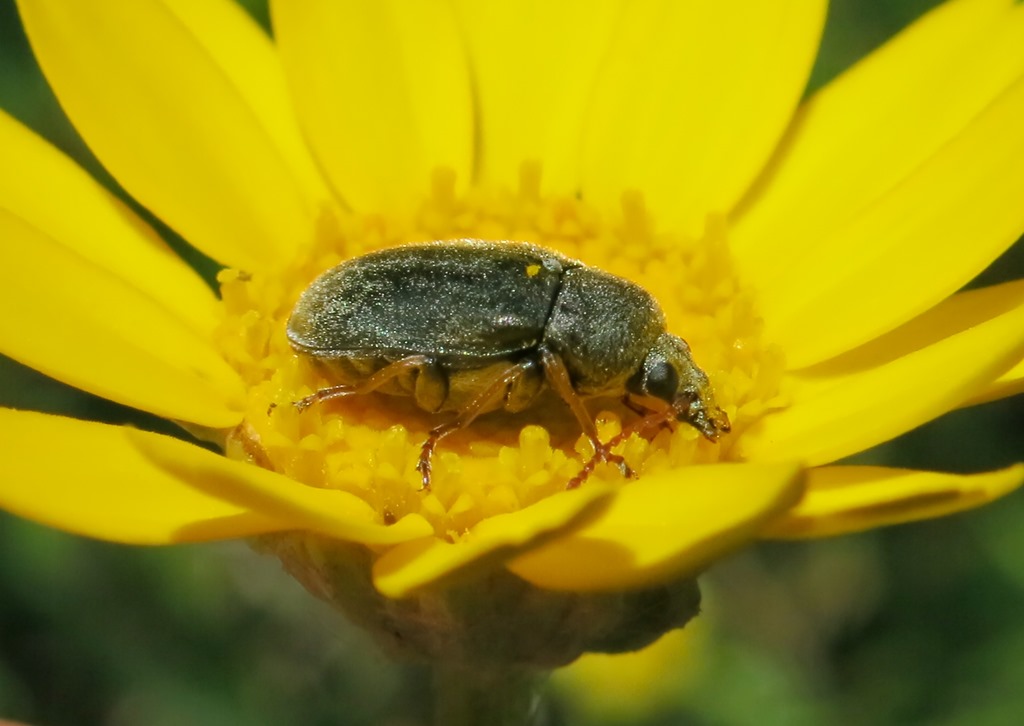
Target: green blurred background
x,y
919,624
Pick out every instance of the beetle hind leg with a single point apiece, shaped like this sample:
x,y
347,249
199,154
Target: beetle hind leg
x,y
324,394
421,367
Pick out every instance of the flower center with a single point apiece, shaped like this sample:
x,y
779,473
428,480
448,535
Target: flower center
x,y
369,444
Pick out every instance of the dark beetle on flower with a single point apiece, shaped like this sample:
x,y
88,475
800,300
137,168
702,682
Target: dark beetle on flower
x,y
472,326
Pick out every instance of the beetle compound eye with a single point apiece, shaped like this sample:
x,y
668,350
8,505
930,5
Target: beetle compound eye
x,y
662,381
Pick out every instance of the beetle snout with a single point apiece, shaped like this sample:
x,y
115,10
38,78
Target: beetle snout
x,y
709,420
719,422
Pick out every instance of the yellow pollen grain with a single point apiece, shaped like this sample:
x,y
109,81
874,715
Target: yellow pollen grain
x,y
369,445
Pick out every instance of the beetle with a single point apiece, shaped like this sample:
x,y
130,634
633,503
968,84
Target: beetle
x,y
471,326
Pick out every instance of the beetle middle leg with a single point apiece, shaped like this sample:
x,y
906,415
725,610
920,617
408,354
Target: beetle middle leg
x,y
558,378
512,384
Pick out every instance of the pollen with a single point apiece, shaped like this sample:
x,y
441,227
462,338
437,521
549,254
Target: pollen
x,y
369,445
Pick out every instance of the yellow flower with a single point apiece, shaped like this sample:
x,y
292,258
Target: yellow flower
x,y
810,251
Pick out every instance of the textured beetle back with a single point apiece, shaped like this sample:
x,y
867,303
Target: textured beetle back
x,y
452,300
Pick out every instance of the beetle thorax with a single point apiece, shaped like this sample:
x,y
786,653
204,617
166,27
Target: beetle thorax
x,y
602,327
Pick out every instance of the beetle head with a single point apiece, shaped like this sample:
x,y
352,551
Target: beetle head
x,y
669,374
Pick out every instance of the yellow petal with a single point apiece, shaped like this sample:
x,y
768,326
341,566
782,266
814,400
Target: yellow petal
x,y
247,56
843,499
141,83
1009,384
693,98
328,511
125,485
898,382
535,66
670,525
54,195
917,153
407,567
382,91
90,479
83,325
861,134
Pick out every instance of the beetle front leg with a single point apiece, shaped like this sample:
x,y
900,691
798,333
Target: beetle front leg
x,y
656,420
603,455
664,418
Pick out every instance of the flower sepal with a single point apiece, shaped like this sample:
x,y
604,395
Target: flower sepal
x,y
489,618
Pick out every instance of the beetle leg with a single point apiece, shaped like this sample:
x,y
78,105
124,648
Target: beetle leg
x,y
603,453
659,419
558,378
480,403
633,406
665,421
430,389
411,363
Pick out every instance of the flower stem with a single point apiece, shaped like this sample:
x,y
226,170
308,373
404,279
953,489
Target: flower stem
x,y
496,697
